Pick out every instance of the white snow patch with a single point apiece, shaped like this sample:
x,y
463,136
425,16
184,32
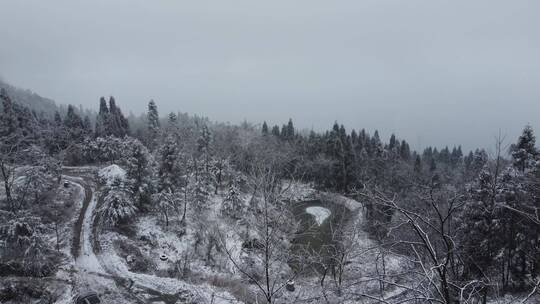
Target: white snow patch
x,y
319,213
112,172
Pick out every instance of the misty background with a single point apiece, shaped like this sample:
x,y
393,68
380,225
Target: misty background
x,y
434,72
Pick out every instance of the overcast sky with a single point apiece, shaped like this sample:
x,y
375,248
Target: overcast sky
x,y
434,72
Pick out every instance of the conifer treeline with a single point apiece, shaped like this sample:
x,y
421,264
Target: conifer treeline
x,y
110,120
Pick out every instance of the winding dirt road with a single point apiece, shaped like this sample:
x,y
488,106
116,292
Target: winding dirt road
x,y
94,273
90,273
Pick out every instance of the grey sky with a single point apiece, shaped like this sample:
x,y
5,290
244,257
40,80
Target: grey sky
x,y
435,72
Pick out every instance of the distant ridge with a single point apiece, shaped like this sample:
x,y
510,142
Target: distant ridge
x,y
30,99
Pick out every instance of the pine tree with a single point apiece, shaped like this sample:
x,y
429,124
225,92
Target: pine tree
x,y
9,120
432,165
283,133
354,138
203,147
118,204
113,123
74,125
170,173
117,124
392,144
524,151
289,134
456,156
275,131
102,119
531,209
444,155
264,129
376,145
479,226
233,205
480,158
153,123
139,166
87,126
418,165
405,151
467,161
57,118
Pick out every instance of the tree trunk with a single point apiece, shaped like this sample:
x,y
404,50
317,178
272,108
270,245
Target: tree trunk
x,y
185,207
7,188
57,236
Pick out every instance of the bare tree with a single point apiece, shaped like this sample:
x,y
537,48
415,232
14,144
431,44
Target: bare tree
x,y
432,241
272,225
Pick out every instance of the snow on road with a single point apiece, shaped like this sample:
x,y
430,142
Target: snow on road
x,y
319,213
89,275
87,259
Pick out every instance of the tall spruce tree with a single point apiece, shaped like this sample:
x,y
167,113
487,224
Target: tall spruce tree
x,y
264,128
74,125
153,124
102,119
524,151
275,131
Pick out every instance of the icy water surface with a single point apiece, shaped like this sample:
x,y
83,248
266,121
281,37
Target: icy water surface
x,y
320,223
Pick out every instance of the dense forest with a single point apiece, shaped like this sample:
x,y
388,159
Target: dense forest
x,y
464,225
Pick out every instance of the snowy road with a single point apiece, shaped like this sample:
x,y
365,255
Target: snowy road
x,y
106,273
89,274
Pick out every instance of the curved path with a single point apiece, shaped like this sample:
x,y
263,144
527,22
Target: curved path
x,y
97,273
91,275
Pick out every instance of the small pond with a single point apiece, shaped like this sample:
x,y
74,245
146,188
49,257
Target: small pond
x,y
318,233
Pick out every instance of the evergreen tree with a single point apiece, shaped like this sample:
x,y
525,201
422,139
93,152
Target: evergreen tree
x,y
138,163
479,226
376,145
283,133
74,125
117,124
153,123
118,204
233,206
354,138
170,173
418,165
432,165
264,129
102,119
87,126
172,124
467,160
203,147
480,158
405,151
9,120
289,134
57,118
524,151
444,155
113,123
275,131
392,145
456,156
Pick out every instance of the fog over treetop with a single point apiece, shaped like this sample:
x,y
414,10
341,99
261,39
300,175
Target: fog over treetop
x,y
435,73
